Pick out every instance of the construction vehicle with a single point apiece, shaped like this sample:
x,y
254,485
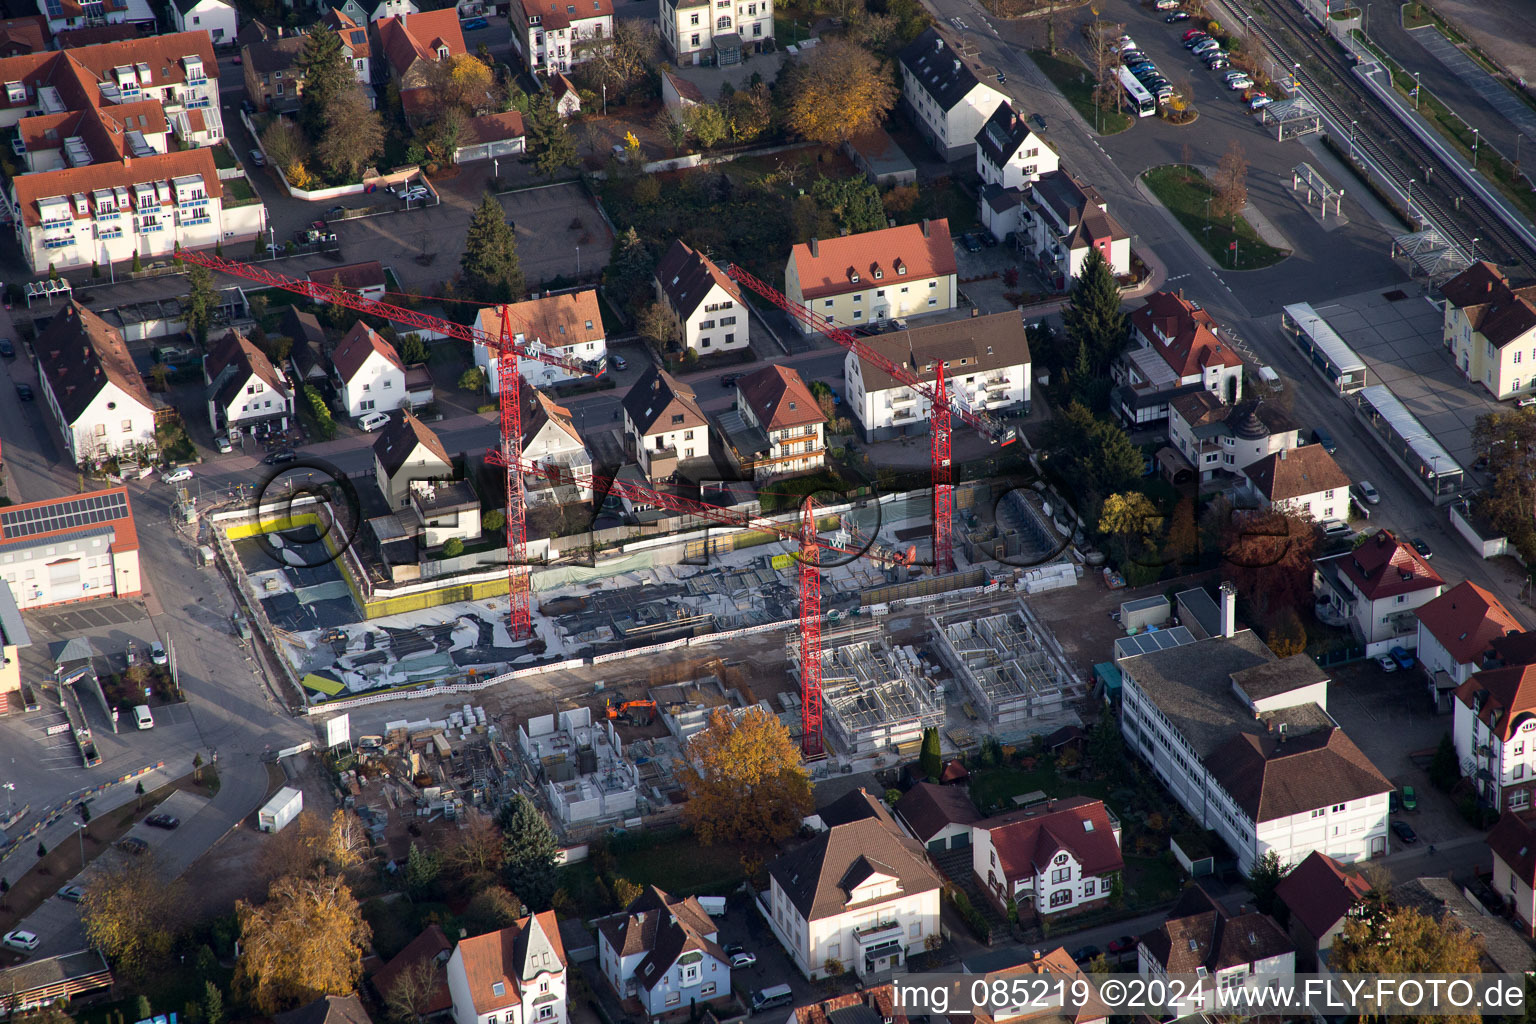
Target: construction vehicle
x,y
635,712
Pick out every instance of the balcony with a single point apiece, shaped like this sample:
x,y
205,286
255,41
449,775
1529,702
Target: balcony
x,y
878,934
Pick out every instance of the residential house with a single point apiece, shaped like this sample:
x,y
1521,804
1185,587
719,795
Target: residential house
x,y
861,893
1304,481
513,976
1513,844
366,279
664,952
695,33
216,17
554,36
364,12
408,450
310,357
1494,728
678,94
64,15
1457,634
1501,949
369,373
431,946
705,304
245,392
1378,587
76,548
865,1006
551,440
873,276
1058,219
490,137
947,101
355,43
939,817
1218,439
1490,329
100,404
1010,974
442,510
1243,740
26,34
567,99
1055,857
114,140
663,423
785,429
327,1010
411,44
273,79
986,361
1009,154
1321,897
568,325
881,158
1223,950
1177,349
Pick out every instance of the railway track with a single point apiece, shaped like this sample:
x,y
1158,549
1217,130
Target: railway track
x,y
1462,217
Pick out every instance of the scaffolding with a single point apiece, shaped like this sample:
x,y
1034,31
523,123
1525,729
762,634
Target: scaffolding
x,y
1009,666
876,698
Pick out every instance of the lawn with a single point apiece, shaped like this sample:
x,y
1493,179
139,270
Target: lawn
x,y
996,787
668,858
239,193
1150,881
1184,191
1076,84
945,198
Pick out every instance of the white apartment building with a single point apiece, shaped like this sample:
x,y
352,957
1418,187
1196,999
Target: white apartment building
x,y
65,15
1305,481
370,375
549,34
70,549
407,451
1216,438
892,273
987,365
1009,154
664,951
1494,728
1227,952
551,439
514,976
1490,330
1056,857
1244,742
1378,587
1178,348
361,13
775,405
569,325
948,102
860,892
698,32
99,402
663,423
244,390
1464,631
1056,218
705,304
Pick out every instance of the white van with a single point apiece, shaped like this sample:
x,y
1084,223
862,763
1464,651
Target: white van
x,y
1271,378
773,995
142,717
373,421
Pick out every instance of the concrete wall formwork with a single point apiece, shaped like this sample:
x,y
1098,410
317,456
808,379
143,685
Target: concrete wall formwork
x,y
1007,663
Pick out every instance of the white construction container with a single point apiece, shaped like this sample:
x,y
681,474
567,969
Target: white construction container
x,y
280,810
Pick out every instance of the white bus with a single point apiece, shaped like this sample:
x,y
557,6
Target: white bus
x,y
1141,100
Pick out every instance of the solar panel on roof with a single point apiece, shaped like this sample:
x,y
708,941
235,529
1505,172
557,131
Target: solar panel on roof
x,y
63,515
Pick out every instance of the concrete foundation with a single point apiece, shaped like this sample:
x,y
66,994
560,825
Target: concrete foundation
x,y
1008,664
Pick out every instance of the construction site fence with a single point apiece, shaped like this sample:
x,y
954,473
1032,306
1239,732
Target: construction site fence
x,y
441,691
67,805
692,641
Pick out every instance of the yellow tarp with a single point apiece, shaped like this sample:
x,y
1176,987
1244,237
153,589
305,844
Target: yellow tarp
x,y
783,561
329,687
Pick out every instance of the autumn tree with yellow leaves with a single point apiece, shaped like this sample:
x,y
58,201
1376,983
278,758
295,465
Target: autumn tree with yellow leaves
x,y
306,941
744,780
462,82
1401,940
132,915
839,91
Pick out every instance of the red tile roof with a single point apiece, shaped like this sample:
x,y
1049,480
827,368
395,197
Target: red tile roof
x,y
1296,473
1384,566
1319,892
546,411
492,128
1465,620
1498,312
828,266
429,946
354,276
27,34
558,14
355,347
1057,962
556,321
880,998
1513,841
779,398
412,37
29,188
79,353
1026,840
1508,697
511,958
1185,336
352,34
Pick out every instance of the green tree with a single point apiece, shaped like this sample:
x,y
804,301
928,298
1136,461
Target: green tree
x,y
839,91
855,202
1093,318
213,1003
327,75
138,791
42,851
202,302
1096,455
351,135
707,123
491,269
932,758
530,845
453,547
628,276
493,520
1130,518
142,1007
472,379
422,868
1404,941
1509,441
1264,877
490,909
412,349
550,145
1444,769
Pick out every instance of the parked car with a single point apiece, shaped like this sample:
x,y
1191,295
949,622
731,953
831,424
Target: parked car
x,y
1124,944
729,380
72,893
1394,802
1368,492
735,948
1422,547
971,244
373,421
248,106
165,821
7,349
1087,953
258,158
1239,84
20,939
1177,16
1129,57
157,653
180,474
1322,437
1335,528
1165,5
280,457
223,445
1037,121
133,845
743,960
1526,401
1402,657
619,362
1386,664
24,392
1218,63
473,25
1405,832
1193,38
1410,801
1204,45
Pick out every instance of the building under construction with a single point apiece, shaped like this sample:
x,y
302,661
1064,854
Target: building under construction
x,y
581,767
875,697
1008,665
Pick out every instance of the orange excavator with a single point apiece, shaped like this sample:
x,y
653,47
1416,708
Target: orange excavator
x,y
635,712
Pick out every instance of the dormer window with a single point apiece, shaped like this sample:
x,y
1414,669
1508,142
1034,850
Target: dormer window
x,y
879,274
442,53
853,275
901,269
15,92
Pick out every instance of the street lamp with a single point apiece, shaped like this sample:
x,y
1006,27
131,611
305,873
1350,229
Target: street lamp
x,y
80,832
1352,125
1474,249
1416,90
1476,138
1295,70
10,794
1410,197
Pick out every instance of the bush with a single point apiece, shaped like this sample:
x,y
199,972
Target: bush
x,y
322,412
453,548
973,917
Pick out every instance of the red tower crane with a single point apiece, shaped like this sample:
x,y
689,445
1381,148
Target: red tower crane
x,y
509,454
940,408
810,634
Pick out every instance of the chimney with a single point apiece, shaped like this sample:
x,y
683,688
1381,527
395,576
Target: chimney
x,y
957,64
938,44
1181,293
814,253
975,312
925,227
1282,453
1228,594
1050,802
